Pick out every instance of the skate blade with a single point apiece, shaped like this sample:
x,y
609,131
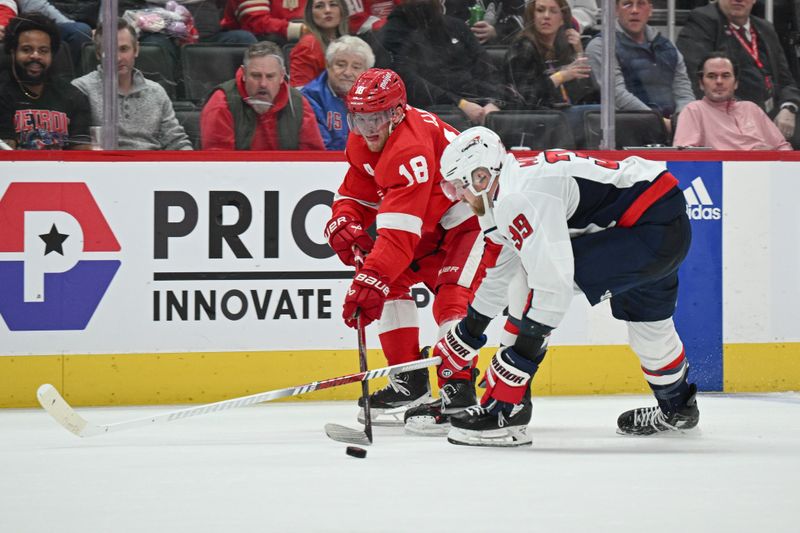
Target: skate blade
x,y
499,438
669,434
426,426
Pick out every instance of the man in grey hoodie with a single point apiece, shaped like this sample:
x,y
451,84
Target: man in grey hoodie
x,y
146,117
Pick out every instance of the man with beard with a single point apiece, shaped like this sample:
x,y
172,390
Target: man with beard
x,y
347,58
441,61
38,112
615,230
258,109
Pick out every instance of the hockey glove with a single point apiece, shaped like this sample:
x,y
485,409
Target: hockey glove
x,y
365,297
457,349
507,378
342,233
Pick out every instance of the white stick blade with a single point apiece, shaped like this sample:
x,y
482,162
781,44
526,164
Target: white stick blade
x,y
61,412
345,434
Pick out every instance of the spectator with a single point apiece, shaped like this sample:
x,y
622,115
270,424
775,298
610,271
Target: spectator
x,y
719,120
38,112
85,11
441,61
347,58
651,73
764,76
258,109
369,15
146,120
586,14
545,63
326,20
502,19
73,33
274,20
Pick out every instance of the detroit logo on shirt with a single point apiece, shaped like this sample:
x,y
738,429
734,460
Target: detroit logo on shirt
x,y
58,256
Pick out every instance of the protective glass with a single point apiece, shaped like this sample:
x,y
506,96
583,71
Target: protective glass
x,y
366,124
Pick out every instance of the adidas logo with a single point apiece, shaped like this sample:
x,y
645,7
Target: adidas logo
x,y
699,205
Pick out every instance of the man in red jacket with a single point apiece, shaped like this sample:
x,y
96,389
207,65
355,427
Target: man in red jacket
x,y
258,110
423,237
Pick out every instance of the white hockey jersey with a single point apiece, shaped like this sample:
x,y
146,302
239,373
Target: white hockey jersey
x,y
543,203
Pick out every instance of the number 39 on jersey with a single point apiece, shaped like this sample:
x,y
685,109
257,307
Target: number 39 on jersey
x,y
520,229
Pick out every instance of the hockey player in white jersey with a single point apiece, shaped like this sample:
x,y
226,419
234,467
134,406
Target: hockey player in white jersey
x,y
615,230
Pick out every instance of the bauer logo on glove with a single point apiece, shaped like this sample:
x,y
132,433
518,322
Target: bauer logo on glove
x,y
373,281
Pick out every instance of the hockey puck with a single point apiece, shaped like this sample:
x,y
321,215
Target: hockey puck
x,y
355,451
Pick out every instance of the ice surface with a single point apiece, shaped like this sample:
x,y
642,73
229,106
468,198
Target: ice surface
x,y
270,468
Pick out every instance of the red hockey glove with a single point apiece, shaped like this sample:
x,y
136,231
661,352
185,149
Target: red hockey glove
x,y
342,233
365,297
457,349
507,377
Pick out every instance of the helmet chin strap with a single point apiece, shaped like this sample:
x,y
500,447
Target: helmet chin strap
x,y
487,219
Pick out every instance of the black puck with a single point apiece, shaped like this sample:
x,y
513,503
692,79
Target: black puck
x,y
355,451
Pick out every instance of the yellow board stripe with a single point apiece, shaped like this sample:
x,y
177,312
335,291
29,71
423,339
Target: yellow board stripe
x,y
761,367
176,378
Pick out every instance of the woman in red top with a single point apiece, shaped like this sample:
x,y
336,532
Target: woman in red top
x,y
327,21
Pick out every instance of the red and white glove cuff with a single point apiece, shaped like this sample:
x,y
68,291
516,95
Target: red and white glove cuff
x,y
504,381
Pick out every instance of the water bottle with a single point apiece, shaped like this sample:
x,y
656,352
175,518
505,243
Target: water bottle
x,y
476,14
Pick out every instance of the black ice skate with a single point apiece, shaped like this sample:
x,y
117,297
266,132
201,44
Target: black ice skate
x,y
433,418
404,391
651,420
476,426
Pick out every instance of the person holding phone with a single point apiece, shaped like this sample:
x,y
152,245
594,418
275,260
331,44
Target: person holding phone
x,y
545,63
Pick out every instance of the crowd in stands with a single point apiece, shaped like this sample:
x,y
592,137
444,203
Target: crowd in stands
x,y
272,74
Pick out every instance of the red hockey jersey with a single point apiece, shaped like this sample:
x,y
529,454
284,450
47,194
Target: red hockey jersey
x,y
398,188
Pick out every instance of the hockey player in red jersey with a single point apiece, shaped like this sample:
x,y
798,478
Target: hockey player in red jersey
x,y
422,236
617,230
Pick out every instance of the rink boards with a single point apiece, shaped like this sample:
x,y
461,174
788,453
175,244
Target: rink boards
x,y
193,280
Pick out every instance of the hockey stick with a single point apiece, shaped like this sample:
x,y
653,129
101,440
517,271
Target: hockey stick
x,y
64,414
341,433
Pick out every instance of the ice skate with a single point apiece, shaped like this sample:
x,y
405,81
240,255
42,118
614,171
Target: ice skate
x,y
476,426
651,420
433,418
404,391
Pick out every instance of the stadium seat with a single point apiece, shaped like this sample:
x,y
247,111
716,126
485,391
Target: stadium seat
x,y
190,120
207,65
531,130
452,115
287,51
632,129
497,54
153,61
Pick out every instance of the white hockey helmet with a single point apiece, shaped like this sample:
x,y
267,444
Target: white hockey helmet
x,y
474,148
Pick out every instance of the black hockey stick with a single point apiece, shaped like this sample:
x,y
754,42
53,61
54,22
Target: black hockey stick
x,y
341,433
64,414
